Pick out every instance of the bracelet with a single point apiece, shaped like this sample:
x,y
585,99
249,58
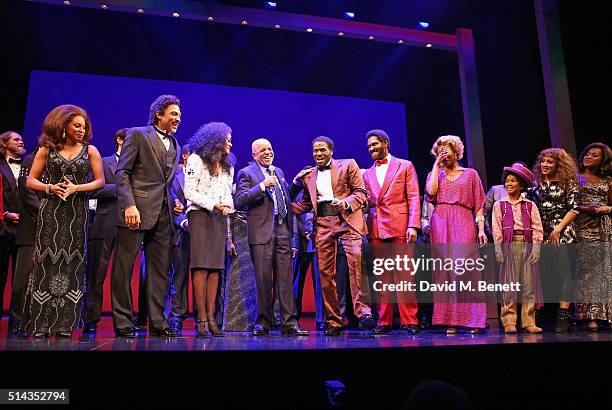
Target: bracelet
x,y
47,189
479,218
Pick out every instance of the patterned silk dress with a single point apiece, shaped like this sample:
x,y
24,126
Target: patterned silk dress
x,y
594,276
55,289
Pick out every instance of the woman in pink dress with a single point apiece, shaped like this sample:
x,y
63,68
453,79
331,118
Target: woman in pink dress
x,y
458,199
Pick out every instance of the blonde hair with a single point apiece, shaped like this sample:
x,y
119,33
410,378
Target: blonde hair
x,y
452,141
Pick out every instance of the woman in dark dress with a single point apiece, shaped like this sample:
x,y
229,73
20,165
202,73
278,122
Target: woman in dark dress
x,y
55,290
208,190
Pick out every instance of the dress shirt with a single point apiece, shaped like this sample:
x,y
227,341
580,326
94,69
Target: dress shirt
x,y
165,138
381,170
15,168
536,222
325,191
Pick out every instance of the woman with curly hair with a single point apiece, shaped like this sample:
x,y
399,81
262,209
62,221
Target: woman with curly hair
x,y
57,283
594,232
208,189
556,194
458,199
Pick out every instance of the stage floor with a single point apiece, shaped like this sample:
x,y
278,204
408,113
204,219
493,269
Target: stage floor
x,y
243,341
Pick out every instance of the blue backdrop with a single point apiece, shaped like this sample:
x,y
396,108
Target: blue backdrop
x,y
290,120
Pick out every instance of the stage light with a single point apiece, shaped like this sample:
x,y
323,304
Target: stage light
x,y
103,6
429,45
341,34
400,41
349,15
66,2
277,26
336,393
244,22
423,25
140,11
270,5
309,30
371,38
175,14
210,18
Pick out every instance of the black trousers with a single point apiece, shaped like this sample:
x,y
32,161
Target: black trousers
x,y
272,261
178,296
156,247
99,251
8,253
23,268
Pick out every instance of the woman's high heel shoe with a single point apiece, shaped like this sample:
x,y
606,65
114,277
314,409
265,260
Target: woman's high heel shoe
x,y
203,329
214,329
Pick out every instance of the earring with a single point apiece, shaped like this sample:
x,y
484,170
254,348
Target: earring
x,y
64,134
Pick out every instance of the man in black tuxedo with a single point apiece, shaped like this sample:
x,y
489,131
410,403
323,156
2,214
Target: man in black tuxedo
x,y
24,241
145,171
12,151
101,240
261,190
178,298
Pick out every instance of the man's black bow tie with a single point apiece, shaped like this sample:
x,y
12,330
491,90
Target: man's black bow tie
x,y
324,167
14,161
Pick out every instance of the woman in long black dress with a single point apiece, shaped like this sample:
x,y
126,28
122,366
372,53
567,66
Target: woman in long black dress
x,y
55,289
208,190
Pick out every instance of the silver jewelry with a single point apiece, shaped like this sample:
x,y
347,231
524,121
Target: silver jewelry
x,y
64,134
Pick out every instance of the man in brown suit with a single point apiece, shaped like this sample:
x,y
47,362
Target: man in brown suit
x,y
336,192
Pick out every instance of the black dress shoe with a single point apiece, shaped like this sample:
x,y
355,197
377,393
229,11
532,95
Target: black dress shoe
x,y
332,331
259,330
293,331
166,332
125,332
366,322
411,329
138,328
89,328
381,330
40,334
64,334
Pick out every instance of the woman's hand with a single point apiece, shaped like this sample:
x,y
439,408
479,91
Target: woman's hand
x,y
441,156
230,248
554,236
482,238
499,255
69,188
58,190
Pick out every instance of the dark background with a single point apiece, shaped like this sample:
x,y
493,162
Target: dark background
x,y
59,38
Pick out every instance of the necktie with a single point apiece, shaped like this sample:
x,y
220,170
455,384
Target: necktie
x,y
14,161
278,194
382,161
325,167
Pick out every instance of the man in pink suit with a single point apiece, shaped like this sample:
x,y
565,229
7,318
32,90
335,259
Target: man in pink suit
x,y
393,218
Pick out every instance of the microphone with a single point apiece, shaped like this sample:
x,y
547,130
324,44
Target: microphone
x,y
272,174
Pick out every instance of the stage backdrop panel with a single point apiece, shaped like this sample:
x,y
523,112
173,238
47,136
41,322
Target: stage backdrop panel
x,y
290,120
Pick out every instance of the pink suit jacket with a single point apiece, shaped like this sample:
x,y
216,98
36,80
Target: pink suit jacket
x,y
395,206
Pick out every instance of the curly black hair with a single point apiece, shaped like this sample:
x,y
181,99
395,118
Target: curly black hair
x,y
159,106
209,143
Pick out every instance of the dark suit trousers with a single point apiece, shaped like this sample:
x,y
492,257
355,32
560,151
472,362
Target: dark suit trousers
x,y
271,258
179,289
329,230
8,252
98,257
156,245
23,268
301,263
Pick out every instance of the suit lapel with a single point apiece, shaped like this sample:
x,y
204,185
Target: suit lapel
x,y
6,170
336,168
391,171
370,174
311,183
158,147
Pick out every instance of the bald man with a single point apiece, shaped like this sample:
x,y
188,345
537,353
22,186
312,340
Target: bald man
x,y
261,190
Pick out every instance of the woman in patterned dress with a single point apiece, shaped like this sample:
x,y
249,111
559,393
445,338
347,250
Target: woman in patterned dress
x,y
56,286
594,232
556,194
458,199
